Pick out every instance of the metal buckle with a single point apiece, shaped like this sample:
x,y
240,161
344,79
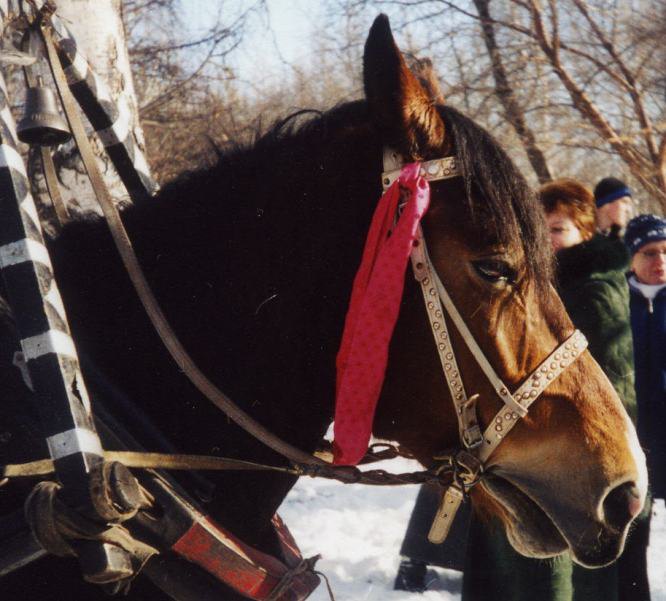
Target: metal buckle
x,y
472,436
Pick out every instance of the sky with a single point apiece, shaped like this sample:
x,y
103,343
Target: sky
x,y
284,37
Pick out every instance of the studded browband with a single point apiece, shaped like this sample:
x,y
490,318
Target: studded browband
x,y
477,446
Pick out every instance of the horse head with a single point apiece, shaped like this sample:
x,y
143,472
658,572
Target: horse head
x,y
570,474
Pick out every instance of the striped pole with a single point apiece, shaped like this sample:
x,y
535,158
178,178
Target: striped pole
x,y
110,120
48,349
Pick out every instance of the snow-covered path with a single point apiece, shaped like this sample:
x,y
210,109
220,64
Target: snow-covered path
x,y
358,531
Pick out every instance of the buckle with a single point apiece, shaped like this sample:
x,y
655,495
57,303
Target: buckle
x,y
472,436
467,468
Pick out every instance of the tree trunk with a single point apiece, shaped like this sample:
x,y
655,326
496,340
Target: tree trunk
x,y
98,29
504,91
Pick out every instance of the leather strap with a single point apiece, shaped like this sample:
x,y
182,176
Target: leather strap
x,y
468,466
126,251
51,178
48,168
168,461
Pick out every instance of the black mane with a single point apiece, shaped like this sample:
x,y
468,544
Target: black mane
x,y
509,203
498,195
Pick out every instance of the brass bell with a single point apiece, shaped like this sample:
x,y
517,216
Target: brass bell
x,y
42,124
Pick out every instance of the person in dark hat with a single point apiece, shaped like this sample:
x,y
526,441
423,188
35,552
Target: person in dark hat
x,y
646,240
615,205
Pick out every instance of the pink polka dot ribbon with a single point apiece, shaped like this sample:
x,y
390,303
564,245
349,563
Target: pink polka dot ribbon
x,y
373,312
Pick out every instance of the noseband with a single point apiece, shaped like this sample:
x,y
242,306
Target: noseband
x,y
477,446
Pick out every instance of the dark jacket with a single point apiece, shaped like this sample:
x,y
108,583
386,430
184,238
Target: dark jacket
x,y
592,283
649,328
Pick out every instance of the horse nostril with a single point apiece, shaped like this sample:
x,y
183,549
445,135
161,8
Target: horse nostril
x,y
622,504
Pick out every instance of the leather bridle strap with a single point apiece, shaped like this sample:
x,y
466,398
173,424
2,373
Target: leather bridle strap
x,y
126,251
468,464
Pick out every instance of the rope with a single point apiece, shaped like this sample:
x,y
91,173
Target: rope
x,y
441,473
305,565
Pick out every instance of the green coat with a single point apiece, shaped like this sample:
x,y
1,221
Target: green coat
x,y
591,281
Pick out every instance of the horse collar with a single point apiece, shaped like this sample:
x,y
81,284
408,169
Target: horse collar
x,y
477,446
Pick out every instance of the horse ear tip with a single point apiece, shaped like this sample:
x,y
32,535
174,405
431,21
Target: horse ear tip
x,y
381,25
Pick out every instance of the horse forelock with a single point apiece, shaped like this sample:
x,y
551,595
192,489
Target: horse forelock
x,y
498,196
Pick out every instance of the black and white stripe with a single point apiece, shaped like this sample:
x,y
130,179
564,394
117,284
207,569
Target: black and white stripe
x,y
48,349
111,120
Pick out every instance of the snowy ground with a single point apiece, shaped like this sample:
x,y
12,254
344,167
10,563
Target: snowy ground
x,y
358,531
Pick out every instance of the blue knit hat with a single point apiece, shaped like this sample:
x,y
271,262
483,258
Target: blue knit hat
x,y
644,229
608,190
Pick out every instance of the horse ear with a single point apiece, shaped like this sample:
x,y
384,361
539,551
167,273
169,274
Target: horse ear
x,y
401,106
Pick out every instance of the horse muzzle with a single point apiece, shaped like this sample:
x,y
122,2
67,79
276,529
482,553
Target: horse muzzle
x,y
541,528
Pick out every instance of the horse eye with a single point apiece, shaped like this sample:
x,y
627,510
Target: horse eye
x,y
494,271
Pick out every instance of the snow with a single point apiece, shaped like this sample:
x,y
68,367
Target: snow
x,y
358,531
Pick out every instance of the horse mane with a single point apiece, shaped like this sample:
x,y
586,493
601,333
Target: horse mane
x,y
510,206
499,201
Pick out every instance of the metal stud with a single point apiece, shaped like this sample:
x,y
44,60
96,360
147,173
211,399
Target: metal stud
x,y
550,376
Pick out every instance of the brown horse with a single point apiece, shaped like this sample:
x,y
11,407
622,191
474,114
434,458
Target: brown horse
x,y
253,262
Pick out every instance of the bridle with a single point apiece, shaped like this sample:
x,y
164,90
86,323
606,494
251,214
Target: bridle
x,y
477,446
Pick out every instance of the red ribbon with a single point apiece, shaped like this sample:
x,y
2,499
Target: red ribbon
x,y
373,312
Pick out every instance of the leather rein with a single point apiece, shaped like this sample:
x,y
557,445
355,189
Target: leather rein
x,y
457,472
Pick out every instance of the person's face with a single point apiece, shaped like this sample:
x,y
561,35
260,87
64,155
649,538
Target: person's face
x,y
563,232
649,263
618,212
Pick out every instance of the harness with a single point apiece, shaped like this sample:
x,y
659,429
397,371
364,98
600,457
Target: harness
x,y
201,541
477,446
